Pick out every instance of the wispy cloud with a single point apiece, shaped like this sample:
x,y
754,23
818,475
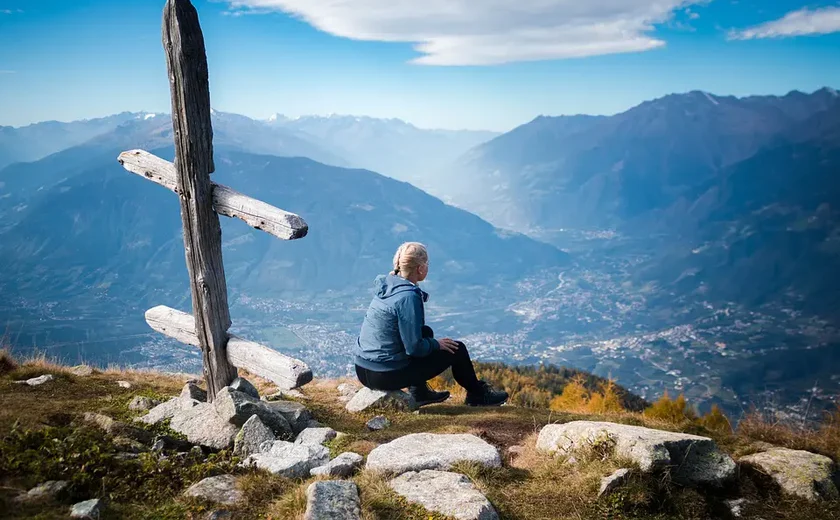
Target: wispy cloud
x,y
8,71
11,11
487,32
797,23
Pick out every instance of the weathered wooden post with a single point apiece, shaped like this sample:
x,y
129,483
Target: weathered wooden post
x,y
201,201
186,63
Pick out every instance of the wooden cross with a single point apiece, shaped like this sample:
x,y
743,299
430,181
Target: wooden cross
x,y
201,201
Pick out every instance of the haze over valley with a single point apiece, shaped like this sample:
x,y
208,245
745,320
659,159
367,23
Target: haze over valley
x,y
687,244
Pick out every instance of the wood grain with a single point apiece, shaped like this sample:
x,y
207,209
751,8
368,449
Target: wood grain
x,y
186,63
226,201
284,371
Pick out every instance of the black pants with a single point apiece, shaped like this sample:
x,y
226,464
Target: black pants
x,y
421,370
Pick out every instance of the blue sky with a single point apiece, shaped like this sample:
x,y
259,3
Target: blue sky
x,y
435,63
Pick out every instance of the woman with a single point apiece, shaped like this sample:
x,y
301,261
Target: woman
x,y
396,349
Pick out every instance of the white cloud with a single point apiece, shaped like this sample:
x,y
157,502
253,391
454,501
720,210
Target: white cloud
x,y
8,71
11,11
486,32
796,23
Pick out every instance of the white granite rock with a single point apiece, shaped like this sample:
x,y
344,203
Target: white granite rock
x,y
252,435
380,422
191,390
798,472
202,425
221,489
87,509
49,490
367,398
315,436
610,483
420,451
37,381
167,410
82,370
342,466
237,407
693,460
241,384
332,500
297,415
124,384
288,459
142,403
450,494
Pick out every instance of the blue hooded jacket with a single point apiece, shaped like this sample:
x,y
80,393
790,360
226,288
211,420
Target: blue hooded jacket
x,y
392,332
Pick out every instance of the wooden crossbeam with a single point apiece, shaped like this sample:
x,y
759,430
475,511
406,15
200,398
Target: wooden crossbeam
x,y
284,371
226,201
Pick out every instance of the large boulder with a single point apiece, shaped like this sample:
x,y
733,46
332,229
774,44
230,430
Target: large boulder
x,y
342,466
202,425
450,494
221,489
288,459
332,500
614,481
237,407
800,473
37,381
252,435
420,451
693,460
367,399
297,415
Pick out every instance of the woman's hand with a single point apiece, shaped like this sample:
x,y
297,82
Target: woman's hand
x,y
449,345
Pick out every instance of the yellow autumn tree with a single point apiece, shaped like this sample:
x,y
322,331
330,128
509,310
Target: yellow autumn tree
x,y
606,400
670,410
574,398
716,421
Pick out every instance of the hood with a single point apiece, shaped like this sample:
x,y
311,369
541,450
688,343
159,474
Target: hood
x,y
388,285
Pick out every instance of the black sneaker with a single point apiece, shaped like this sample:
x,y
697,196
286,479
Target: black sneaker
x,y
424,395
486,396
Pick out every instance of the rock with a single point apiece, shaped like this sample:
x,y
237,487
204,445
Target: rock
x,y
380,422
367,398
297,415
49,490
243,385
312,423
450,494
800,473
315,436
693,460
124,384
251,436
202,425
36,381
117,428
288,459
142,403
346,391
736,506
192,391
342,466
221,490
332,500
165,442
420,451
82,370
86,509
608,484
167,410
237,407
219,515
129,445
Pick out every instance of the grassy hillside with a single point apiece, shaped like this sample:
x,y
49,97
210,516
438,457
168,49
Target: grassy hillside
x,y
43,438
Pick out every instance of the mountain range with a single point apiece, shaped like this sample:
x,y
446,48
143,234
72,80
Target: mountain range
x,y
686,244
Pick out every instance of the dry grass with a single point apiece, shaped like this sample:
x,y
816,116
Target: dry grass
x,y
824,440
291,506
7,362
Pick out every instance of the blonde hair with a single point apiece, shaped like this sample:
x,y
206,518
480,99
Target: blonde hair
x,y
408,258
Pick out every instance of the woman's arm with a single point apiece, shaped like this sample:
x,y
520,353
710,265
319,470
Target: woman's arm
x,y
411,317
